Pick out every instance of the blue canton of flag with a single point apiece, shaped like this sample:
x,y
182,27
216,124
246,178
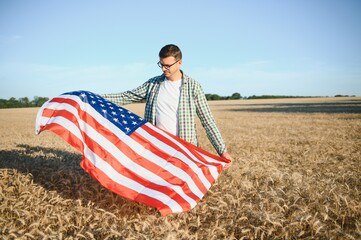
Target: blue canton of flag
x,y
125,120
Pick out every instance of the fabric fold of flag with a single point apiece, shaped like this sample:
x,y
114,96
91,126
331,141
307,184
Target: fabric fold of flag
x,y
130,156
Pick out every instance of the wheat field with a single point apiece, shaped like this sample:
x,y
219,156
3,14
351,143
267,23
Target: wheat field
x,y
296,175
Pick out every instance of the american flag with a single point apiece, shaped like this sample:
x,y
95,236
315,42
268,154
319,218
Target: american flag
x,y
129,155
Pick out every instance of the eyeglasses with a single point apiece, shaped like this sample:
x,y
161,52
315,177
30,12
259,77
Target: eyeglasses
x,y
166,66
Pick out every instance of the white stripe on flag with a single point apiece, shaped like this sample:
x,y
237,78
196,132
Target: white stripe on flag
x,y
129,183
181,156
64,122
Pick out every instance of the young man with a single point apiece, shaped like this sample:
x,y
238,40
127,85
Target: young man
x,y
172,101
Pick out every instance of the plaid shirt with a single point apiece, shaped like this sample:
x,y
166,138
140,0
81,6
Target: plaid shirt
x,y
192,101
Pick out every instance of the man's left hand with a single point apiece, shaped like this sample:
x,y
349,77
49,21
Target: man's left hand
x,y
226,155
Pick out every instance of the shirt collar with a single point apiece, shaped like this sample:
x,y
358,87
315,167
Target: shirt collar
x,y
185,77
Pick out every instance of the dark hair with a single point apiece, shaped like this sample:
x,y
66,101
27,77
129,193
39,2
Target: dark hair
x,y
170,50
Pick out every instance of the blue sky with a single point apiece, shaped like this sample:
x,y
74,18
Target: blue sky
x,y
309,47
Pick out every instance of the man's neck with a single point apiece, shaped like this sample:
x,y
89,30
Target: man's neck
x,y
176,76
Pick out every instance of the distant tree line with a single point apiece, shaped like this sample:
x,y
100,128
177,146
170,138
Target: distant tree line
x,y
22,102
236,95
339,95
285,96
276,96
210,96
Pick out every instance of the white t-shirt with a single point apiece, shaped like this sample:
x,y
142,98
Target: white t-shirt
x,y
167,106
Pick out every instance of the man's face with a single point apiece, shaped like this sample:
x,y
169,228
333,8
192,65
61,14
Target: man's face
x,y
170,66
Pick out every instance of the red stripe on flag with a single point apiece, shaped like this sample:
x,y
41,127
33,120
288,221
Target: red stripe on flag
x,y
192,147
66,135
121,169
122,190
202,167
173,160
